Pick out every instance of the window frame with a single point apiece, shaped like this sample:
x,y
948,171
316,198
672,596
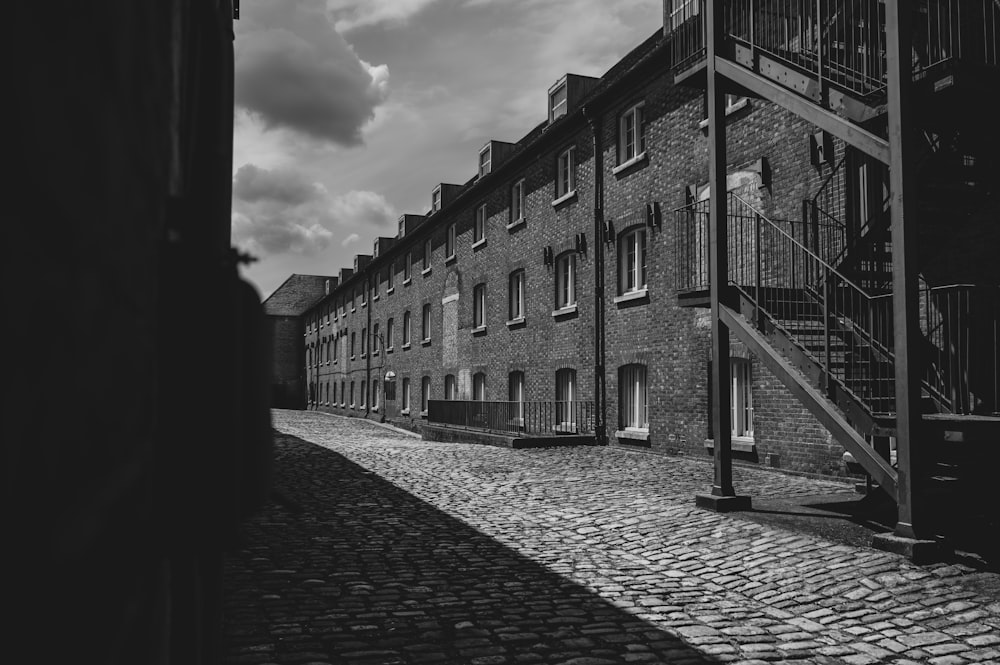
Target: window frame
x,y
515,393
389,330
515,295
629,249
565,411
558,110
485,165
517,201
428,251
479,387
405,389
450,242
741,410
565,301
406,329
425,394
633,406
636,112
408,267
479,226
425,322
479,307
566,171
450,387
435,199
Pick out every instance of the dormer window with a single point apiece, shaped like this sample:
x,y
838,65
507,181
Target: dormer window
x,y
557,101
485,160
402,227
436,199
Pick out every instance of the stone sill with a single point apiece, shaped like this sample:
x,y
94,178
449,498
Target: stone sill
x,y
632,295
519,321
451,259
479,243
426,271
516,223
624,166
564,311
637,435
739,444
425,342
480,330
568,196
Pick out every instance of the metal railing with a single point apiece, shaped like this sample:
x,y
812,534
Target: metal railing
x,y
533,418
961,329
843,41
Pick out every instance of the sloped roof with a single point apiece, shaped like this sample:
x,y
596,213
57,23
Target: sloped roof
x,y
296,295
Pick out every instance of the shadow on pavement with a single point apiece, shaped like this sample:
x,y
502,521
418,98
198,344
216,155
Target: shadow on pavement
x,y
360,571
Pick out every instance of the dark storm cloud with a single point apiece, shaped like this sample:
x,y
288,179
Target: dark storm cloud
x,y
294,70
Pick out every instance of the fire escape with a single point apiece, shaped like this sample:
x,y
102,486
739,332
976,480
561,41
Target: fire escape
x,y
871,307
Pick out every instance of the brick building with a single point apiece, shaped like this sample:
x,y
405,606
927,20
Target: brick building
x,y
283,311
565,287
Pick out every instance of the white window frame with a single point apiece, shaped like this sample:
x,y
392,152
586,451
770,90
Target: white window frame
x,y
479,229
389,330
425,322
517,203
566,395
515,296
741,399
485,165
565,281
425,394
376,347
566,174
450,387
449,242
557,110
479,307
408,268
630,151
391,282
364,342
633,397
406,395
406,329
479,386
436,199
375,394
632,257
353,340
402,228
428,256
515,393
352,395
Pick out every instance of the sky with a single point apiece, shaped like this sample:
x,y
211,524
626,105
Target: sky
x,y
349,112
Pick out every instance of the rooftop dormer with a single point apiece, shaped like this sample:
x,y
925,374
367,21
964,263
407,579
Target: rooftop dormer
x,y
345,274
361,261
407,223
382,244
442,195
567,92
492,155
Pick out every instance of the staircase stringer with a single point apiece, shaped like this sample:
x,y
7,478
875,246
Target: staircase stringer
x,y
817,404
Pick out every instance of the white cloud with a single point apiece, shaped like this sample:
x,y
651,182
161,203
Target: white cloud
x,y
294,71
350,14
354,237
280,211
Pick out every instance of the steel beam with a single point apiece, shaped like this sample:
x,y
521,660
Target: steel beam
x,y
910,449
809,110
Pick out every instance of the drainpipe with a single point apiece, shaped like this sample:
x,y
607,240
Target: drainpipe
x,y
600,384
368,342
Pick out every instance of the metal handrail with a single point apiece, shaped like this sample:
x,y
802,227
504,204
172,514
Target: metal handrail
x,y
519,418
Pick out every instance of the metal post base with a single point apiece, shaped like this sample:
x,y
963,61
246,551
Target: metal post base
x,y
722,504
917,550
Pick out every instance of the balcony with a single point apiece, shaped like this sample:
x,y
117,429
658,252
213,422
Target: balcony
x,y
540,421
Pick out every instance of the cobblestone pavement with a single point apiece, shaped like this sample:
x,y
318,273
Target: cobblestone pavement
x,y
391,549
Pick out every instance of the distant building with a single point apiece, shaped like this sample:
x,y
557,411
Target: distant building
x,y
283,310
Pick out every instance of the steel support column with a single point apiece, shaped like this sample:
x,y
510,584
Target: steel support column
x,y
910,452
723,496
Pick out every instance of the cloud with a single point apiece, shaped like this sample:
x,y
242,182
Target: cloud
x,y
280,211
354,237
351,14
294,71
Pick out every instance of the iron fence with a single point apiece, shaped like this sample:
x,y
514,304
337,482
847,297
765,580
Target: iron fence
x,y
531,418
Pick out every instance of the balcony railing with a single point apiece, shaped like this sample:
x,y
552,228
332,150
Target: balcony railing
x,y
535,418
843,41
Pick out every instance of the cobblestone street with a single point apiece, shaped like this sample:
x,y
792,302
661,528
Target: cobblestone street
x,y
390,549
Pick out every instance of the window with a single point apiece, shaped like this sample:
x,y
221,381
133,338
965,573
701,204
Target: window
x,y
566,173
517,202
352,395
566,281
557,101
376,342
479,386
391,283
565,396
406,328
326,345
515,394
631,135
741,399
632,405
479,232
682,10
354,297
632,261
407,267
425,323
375,383
389,325
406,395
327,391
333,399
733,104
364,294
485,160
335,348
427,255
364,342
343,395
402,227
352,346
364,394
479,306
515,296
450,387
449,242
436,199
425,393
